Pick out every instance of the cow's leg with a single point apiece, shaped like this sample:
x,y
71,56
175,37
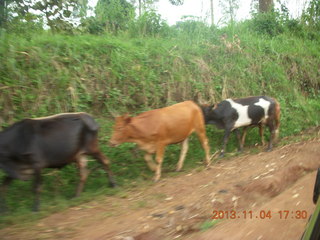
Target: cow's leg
x,y
261,131
183,153
159,159
37,189
106,163
5,183
240,146
205,145
243,137
272,135
225,141
83,172
149,161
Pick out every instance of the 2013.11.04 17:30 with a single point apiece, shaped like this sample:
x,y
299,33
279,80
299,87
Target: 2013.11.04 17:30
x,y
261,214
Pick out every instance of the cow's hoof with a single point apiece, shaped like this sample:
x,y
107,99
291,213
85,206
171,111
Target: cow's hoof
x,y
156,179
113,185
268,149
153,168
3,211
35,209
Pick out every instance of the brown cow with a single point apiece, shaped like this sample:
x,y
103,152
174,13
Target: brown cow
x,y
154,130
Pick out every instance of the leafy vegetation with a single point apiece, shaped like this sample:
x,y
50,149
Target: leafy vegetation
x,y
142,64
208,224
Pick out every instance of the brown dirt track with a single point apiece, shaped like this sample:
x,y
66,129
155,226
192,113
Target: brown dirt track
x,y
177,207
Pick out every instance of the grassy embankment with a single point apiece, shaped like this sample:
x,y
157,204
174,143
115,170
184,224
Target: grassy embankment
x,y
48,74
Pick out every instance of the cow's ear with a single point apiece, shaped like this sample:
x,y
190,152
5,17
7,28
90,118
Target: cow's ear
x,y
214,106
127,118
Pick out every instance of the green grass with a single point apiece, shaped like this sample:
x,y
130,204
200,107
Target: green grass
x,y
209,224
46,74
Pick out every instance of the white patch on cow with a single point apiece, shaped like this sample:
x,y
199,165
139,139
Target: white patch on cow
x,y
265,105
242,110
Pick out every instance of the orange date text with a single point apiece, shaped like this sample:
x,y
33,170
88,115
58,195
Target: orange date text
x,y
261,214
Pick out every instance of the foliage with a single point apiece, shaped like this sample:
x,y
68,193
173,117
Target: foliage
x,y
278,21
7,7
229,8
149,24
268,23
91,25
193,30
209,224
265,6
59,15
176,2
58,12
32,25
114,14
311,16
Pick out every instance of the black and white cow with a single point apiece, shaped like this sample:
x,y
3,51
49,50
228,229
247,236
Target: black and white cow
x,y
30,145
231,114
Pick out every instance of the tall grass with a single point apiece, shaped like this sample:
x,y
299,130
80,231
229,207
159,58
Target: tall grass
x,y
47,74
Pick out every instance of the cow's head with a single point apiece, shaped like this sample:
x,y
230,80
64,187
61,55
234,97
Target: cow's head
x,y
207,111
120,130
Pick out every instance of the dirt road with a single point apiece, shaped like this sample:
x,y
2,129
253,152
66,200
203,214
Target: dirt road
x,y
269,195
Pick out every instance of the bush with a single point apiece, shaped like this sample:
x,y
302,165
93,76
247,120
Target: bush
x,y
267,23
91,25
149,24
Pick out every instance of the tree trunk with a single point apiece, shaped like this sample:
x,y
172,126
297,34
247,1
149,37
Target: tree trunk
x,y
139,8
211,6
265,5
3,17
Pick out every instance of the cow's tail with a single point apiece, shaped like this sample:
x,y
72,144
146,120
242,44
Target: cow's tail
x,y
89,122
277,120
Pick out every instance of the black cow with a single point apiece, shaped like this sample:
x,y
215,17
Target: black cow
x,y
231,114
316,190
30,145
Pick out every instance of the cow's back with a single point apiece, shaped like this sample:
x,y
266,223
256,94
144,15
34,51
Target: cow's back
x,y
87,119
60,139
182,115
256,109
169,124
52,141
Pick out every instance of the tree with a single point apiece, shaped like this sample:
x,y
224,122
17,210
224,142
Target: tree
x,y
311,16
145,4
176,2
229,9
58,14
114,14
140,8
211,11
4,11
149,23
265,5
